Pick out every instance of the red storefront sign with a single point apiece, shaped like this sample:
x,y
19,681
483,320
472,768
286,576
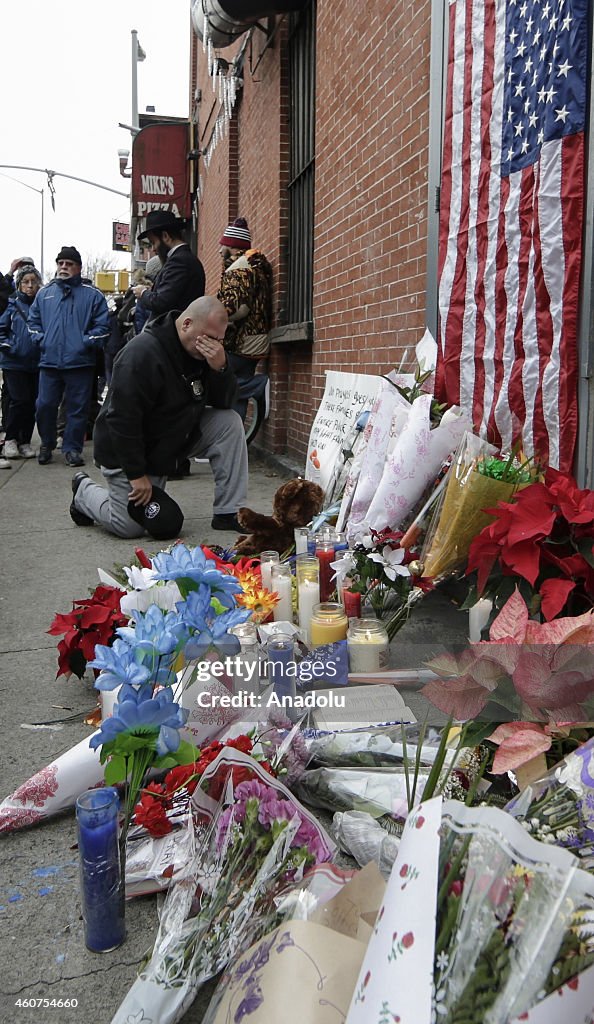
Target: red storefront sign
x,y
121,236
160,170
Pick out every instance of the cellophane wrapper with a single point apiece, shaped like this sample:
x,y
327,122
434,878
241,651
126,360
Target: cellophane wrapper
x,y
226,898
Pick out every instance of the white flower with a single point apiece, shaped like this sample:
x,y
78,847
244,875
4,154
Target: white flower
x,y
570,774
343,567
391,562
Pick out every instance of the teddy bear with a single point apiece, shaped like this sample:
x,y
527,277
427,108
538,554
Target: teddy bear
x,y
294,504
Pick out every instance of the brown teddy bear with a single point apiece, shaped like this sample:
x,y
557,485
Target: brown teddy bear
x,y
294,504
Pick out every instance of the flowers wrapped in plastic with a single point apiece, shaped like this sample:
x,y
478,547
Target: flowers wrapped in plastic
x,y
480,923
252,839
476,481
559,807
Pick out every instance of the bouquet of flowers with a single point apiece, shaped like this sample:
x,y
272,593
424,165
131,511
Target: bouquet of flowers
x,y
254,839
478,924
476,480
543,543
559,807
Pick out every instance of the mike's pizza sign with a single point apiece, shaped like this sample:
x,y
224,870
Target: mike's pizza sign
x,y
160,170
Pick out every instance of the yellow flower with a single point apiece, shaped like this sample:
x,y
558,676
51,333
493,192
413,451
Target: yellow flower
x,y
259,601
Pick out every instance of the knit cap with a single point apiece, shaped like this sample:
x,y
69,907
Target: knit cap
x,y
22,272
237,235
68,252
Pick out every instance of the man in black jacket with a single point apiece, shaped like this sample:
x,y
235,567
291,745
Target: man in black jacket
x,y
181,278
155,414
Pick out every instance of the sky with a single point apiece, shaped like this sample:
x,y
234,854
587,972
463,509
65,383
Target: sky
x,y
66,82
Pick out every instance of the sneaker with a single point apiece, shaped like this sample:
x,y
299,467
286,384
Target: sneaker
x,y
59,443
79,517
228,522
5,464
73,459
26,451
45,455
11,450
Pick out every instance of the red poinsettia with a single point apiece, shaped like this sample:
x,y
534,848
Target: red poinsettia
x,y
92,621
546,538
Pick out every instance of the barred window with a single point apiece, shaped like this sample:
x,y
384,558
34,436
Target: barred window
x,y
302,77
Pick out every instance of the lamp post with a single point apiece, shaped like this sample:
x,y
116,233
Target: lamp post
x,y
41,192
138,54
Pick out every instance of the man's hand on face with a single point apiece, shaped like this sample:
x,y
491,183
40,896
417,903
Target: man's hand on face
x,y
142,490
212,350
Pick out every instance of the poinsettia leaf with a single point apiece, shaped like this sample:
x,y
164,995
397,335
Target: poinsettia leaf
x,y
519,747
554,594
94,615
63,623
512,620
470,599
77,662
460,698
115,770
586,549
523,559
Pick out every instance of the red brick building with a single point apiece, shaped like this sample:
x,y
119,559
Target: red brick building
x,y
326,155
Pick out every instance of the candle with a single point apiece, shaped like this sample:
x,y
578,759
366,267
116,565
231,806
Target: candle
x,y
369,646
301,535
282,585
312,540
108,699
100,878
340,542
246,674
325,555
352,604
307,570
328,624
478,616
281,653
267,560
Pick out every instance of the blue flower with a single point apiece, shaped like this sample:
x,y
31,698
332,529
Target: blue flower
x,y
155,632
181,563
194,611
118,665
215,634
137,712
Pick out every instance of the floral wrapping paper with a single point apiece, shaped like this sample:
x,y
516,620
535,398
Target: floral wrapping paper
x,y
413,463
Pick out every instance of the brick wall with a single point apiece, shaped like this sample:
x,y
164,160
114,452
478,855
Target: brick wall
x,y
372,102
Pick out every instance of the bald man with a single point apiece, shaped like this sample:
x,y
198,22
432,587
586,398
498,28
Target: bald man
x,y
155,414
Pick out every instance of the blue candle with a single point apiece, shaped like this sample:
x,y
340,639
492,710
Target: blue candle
x,y
101,893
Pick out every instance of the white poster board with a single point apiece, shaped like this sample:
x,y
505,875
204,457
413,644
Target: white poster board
x,y
334,430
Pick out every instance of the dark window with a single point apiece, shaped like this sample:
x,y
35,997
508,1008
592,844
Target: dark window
x,y
302,80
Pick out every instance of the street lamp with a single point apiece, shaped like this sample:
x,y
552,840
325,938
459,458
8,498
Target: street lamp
x,y
138,54
41,192
123,156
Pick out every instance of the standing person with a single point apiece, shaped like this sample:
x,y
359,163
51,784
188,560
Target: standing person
x,y
69,321
181,279
169,399
246,293
19,359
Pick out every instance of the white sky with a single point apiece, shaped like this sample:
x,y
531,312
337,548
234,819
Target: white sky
x,y
65,82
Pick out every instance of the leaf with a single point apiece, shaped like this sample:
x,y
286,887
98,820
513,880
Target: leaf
x,y
586,549
512,620
115,770
518,743
554,594
186,753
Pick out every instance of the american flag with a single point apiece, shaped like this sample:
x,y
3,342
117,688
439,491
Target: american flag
x,y
511,220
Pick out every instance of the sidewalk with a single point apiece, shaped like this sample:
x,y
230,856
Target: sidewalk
x,y
46,563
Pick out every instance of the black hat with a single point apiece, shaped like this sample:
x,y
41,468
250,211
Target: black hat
x,y
162,517
68,252
161,220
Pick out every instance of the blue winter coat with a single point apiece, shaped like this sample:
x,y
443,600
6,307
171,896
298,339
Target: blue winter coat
x,y
18,351
69,321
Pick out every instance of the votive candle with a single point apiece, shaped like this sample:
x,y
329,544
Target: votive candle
x,y
352,604
478,617
281,653
301,535
281,585
100,878
267,560
328,624
307,570
325,555
368,646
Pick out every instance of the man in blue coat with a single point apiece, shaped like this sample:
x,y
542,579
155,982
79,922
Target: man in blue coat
x,y
69,321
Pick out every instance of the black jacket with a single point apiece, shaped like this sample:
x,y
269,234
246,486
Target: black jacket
x,y
151,416
179,281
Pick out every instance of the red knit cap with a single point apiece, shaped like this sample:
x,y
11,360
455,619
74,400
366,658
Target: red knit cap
x,y
237,235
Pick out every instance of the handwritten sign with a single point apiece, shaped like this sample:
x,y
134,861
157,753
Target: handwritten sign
x,y
334,430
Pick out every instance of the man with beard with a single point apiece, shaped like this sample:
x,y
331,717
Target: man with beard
x,y
181,278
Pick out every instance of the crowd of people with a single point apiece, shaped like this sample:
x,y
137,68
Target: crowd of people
x,y
164,358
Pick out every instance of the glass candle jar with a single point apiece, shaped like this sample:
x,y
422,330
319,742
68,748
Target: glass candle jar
x,y
307,570
246,673
101,884
301,535
280,650
328,624
325,556
282,585
340,541
352,603
267,560
368,645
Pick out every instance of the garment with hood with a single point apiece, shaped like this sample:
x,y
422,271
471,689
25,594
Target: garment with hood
x,y
150,419
18,350
69,321
180,281
247,283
